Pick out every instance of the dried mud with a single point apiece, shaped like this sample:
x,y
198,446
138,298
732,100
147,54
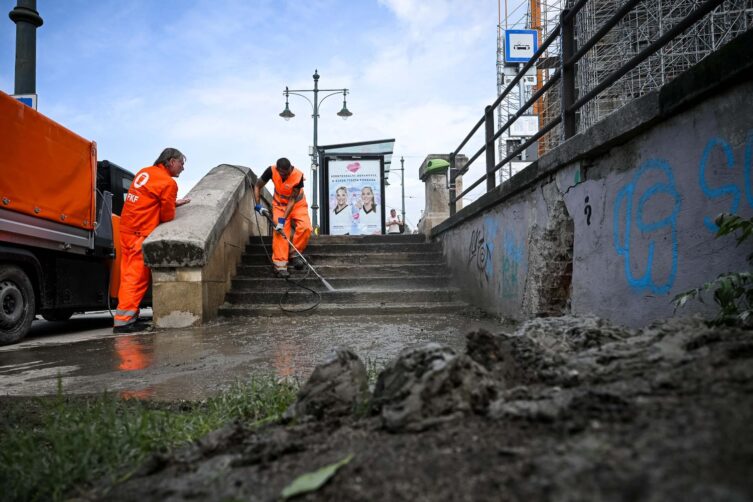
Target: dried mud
x,y
583,411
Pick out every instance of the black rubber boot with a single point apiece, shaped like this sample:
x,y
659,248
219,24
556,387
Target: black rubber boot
x,y
282,273
298,263
134,327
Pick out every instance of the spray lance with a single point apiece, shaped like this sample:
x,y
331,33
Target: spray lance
x,y
265,212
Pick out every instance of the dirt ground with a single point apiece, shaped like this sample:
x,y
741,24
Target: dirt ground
x,y
582,413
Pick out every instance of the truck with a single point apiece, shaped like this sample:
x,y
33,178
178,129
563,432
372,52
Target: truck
x,y
59,219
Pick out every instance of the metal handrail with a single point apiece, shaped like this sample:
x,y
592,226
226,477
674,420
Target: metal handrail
x,y
565,75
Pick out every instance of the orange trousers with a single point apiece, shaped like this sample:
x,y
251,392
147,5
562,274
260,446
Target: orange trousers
x,y
134,279
299,215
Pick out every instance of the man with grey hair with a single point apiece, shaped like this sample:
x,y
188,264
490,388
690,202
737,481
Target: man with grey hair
x,y
151,200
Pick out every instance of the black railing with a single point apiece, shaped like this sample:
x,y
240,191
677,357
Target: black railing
x,y
566,76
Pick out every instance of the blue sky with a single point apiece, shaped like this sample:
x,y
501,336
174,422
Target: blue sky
x,y
207,77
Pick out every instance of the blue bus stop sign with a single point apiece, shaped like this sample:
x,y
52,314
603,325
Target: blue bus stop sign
x,y
29,100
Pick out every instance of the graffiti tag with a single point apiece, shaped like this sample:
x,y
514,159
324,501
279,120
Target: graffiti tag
x,y
512,261
632,217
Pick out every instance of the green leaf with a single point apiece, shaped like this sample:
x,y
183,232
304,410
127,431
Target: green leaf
x,y
312,481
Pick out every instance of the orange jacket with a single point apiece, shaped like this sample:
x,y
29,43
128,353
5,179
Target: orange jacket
x,y
149,202
284,189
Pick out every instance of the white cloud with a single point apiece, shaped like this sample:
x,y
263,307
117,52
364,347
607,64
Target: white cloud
x,y
210,80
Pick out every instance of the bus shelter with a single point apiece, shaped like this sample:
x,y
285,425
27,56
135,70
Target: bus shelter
x,y
352,187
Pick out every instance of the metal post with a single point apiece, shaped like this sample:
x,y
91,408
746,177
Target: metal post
x,y
568,74
451,177
490,157
521,100
315,157
27,21
402,184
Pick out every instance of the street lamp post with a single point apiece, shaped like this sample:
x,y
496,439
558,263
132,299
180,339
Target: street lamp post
x,y
315,104
402,183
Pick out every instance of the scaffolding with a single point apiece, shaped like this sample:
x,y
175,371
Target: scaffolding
x,y
637,30
643,25
542,16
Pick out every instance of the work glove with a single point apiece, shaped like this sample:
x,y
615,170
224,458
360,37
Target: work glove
x,y
261,210
280,224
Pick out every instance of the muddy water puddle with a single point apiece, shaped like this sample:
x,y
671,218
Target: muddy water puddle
x,y
196,363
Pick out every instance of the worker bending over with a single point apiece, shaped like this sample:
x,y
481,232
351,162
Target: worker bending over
x,y
151,200
288,204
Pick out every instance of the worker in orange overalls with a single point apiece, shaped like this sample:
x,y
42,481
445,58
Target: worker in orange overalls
x,y
288,204
151,200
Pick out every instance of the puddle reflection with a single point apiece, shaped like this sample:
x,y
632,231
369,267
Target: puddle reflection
x,y
132,353
140,394
284,360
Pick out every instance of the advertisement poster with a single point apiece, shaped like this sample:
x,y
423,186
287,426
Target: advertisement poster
x,y
355,197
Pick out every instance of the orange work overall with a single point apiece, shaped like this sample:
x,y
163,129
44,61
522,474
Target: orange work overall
x,y
150,201
299,215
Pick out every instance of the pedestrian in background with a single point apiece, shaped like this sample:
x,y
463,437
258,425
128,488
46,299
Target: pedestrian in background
x,y
393,223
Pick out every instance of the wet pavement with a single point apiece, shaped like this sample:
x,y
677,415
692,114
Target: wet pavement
x,y
84,356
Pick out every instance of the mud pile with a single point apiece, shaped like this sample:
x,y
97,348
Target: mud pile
x,y
564,409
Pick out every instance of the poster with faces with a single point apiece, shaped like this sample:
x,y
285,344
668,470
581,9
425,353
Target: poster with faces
x,y
355,197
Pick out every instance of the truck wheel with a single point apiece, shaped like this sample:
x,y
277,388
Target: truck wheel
x,y
57,315
16,304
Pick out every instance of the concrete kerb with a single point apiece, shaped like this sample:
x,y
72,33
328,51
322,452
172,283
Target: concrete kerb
x,y
194,257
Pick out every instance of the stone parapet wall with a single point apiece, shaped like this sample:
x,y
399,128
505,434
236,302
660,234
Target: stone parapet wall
x,y
194,257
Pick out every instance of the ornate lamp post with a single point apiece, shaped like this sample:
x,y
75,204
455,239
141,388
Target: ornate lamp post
x,y
287,115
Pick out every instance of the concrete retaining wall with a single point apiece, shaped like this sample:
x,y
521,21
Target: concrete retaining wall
x,y
618,220
194,257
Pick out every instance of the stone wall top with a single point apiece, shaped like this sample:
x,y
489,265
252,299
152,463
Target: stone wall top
x,y
189,239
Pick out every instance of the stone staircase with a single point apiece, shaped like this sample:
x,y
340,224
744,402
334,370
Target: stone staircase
x,y
380,274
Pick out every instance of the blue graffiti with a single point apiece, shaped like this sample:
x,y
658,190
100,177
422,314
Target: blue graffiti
x,y
490,233
715,193
747,167
481,247
511,265
622,245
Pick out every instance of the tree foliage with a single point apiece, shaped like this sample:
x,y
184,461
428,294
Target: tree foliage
x,y
732,291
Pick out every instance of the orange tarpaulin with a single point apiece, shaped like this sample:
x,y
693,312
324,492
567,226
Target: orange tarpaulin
x,y
46,170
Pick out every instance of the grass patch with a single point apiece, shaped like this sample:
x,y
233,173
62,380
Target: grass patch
x,y
52,448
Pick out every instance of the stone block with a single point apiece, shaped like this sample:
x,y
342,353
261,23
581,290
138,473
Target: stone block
x,y
192,274
177,304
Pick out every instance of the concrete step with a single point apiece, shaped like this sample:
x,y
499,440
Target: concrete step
x,y
345,297
360,309
320,259
334,271
398,283
350,239
352,248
